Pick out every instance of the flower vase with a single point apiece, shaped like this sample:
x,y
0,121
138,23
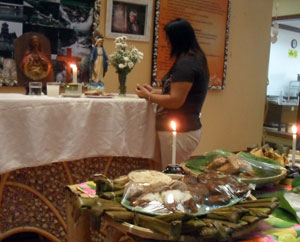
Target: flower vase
x,y
122,82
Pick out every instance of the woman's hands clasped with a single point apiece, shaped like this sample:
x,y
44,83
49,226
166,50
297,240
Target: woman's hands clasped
x,y
143,90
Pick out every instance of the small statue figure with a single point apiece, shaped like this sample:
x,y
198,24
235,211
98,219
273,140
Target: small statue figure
x,y
99,61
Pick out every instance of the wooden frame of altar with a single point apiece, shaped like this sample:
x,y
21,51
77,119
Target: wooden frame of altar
x,y
32,186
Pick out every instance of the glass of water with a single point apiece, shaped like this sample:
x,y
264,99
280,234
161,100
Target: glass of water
x,y
35,88
53,89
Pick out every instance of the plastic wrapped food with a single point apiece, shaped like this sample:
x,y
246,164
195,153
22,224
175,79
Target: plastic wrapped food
x,y
190,194
243,165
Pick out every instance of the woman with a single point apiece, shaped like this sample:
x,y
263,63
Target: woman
x,y
183,93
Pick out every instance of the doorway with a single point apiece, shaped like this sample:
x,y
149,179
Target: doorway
x,y
283,75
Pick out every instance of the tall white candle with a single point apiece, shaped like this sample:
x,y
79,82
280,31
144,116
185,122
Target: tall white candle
x,y
173,125
74,68
294,131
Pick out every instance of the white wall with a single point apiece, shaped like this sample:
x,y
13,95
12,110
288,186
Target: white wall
x,y
286,7
282,68
233,118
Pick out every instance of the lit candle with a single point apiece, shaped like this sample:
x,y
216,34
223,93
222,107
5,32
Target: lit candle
x,y
74,68
294,131
173,125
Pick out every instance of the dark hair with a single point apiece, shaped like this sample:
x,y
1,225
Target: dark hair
x,y
183,40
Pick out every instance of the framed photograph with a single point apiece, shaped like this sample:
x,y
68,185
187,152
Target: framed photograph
x,y
132,18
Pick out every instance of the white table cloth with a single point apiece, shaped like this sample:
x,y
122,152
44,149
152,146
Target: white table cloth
x,y
38,130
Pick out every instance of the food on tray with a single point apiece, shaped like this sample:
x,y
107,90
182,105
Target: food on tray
x,y
231,164
214,189
190,195
95,92
149,176
248,168
267,152
161,197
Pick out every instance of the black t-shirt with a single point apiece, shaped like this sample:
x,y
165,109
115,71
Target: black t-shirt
x,y
187,69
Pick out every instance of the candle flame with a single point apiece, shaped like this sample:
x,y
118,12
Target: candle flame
x,y
294,129
173,125
73,66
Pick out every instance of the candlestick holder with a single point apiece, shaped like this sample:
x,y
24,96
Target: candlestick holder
x,y
293,171
74,88
174,169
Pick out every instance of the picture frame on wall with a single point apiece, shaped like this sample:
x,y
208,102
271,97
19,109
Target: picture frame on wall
x,y
132,18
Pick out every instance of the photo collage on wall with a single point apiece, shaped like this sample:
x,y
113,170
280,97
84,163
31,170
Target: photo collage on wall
x,y
65,23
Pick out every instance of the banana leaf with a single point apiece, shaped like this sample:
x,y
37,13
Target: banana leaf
x,y
296,184
204,209
284,211
262,167
260,159
199,163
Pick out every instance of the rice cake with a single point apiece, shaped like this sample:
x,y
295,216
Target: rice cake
x,y
149,176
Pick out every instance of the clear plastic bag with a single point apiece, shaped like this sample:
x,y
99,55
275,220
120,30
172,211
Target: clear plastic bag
x,y
190,194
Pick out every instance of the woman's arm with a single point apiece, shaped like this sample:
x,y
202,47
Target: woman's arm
x,y
174,100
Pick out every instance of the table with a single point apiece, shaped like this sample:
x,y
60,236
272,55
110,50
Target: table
x,y
47,143
284,113
38,130
271,229
80,226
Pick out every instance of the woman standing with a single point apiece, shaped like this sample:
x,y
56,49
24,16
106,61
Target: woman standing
x,y
184,89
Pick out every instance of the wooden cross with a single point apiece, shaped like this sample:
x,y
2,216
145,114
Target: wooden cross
x,y
68,59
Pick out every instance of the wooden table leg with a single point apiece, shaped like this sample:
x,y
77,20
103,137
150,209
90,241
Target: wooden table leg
x,y
78,231
113,235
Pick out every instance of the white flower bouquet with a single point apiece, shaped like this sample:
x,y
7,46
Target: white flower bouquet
x,y
123,59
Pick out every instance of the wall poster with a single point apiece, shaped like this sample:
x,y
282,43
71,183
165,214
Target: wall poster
x,y
210,20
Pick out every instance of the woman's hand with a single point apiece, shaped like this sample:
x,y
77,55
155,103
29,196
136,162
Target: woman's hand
x,y
149,88
142,91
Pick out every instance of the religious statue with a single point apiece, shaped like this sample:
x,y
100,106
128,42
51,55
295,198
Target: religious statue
x,y
99,61
35,64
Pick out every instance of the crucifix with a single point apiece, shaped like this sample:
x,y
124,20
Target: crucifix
x,y
68,59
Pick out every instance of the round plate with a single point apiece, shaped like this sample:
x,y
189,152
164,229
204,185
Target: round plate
x,y
71,94
203,210
99,96
255,180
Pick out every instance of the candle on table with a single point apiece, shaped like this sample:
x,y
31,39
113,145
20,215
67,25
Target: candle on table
x,y
294,131
74,68
173,125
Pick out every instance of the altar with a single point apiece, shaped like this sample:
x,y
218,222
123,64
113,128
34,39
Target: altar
x,y
47,143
